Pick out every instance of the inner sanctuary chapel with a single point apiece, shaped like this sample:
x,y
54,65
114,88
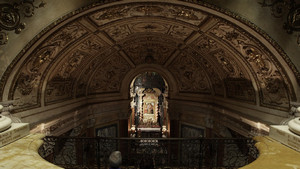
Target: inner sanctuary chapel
x,y
206,84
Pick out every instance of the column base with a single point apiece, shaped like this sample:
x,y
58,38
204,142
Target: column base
x,y
17,131
282,134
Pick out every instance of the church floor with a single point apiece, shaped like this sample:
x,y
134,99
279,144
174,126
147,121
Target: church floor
x,y
23,154
274,155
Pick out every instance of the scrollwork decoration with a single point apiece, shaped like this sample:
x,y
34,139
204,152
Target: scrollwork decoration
x,y
290,8
11,14
10,18
293,19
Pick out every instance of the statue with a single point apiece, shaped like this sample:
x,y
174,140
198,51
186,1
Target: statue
x,y
164,131
294,124
132,131
5,122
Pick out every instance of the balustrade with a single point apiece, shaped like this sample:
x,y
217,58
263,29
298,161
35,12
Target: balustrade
x,y
202,153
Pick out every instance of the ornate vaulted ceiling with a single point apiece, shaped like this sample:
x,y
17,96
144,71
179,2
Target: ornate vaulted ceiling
x,y
206,52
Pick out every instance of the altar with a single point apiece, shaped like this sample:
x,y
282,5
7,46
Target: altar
x,y
148,106
149,132
149,129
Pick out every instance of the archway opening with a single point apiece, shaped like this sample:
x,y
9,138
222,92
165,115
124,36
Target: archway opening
x,y
149,105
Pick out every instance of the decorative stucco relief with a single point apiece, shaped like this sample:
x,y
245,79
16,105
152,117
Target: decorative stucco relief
x,y
227,68
26,87
191,16
237,82
93,45
139,52
270,79
224,61
98,51
204,44
71,64
190,74
82,81
240,89
60,85
149,37
210,69
58,89
118,32
109,75
154,26
180,32
133,27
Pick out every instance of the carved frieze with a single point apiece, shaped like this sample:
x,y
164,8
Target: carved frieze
x,y
135,27
71,64
58,89
139,52
109,75
28,79
153,38
180,32
228,68
214,76
217,53
190,74
61,84
118,32
156,27
204,44
93,45
237,82
270,78
82,82
273,87
88,68
191,16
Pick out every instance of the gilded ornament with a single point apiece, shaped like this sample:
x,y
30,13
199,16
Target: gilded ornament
x,y
179,12
148,10
113,13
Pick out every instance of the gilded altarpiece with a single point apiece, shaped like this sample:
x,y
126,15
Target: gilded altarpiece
x,y
150,107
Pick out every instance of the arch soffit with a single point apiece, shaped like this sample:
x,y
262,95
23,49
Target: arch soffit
x,y
258,58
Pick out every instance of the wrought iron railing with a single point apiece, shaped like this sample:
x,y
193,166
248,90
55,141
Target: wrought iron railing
x,y
202,153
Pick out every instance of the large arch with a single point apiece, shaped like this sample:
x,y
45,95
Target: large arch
x,y
207,55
